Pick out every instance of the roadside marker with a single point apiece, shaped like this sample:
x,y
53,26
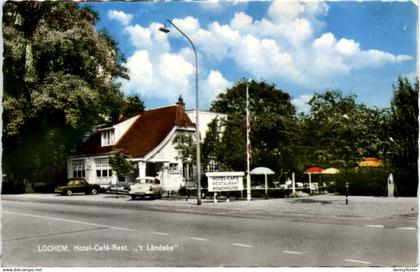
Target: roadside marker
x,y
292,252
241,245
69,220
198,239
357,261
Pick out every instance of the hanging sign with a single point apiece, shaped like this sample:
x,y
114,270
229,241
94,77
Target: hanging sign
x,y
225,181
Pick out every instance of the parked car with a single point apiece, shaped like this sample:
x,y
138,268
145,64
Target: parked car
x,y
77,185
146,187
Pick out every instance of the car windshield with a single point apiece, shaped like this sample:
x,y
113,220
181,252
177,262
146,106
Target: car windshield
x,y
71,182
144,181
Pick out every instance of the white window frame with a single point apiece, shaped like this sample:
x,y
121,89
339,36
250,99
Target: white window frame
x,y
173,168
79,168
212,166
105,170
107,137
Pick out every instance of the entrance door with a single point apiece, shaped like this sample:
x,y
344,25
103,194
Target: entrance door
x,y
153,169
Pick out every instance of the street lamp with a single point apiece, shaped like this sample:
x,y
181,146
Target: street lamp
x,y
197,124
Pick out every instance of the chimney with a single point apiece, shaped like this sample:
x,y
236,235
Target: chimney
x,y
180,102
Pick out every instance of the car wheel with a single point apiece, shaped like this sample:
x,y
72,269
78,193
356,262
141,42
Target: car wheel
x,y
133,197
94,191
69,192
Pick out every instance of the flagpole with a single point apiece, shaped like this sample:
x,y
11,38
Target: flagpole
x,y
248,146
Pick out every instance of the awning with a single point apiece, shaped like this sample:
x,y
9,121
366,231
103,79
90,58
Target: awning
x,y
371,162
313,170
262,171
330,171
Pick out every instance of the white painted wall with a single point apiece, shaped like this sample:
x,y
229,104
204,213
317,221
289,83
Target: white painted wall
x,y
171,180
90,170
205,118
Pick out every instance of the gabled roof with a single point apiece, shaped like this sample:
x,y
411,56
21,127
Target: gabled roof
x,y
144,135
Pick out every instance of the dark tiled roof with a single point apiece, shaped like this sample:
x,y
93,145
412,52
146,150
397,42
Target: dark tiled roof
x,y
146,133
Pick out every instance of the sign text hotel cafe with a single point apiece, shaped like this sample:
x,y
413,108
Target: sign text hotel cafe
x,y
225,181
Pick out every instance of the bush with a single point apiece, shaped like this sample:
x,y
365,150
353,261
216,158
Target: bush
x,y
15,186
364,181
182,191
406,182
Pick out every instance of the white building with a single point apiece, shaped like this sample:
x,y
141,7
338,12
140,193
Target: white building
x,y
147,139
205,118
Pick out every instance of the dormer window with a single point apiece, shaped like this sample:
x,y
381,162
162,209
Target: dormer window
x,y
107,137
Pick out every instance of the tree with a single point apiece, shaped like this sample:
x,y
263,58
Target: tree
x,y
404,130
338,132
212,142
119,163
185,147
273,127
59,82
133,105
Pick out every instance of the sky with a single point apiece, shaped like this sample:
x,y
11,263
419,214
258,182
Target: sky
x,y
360,48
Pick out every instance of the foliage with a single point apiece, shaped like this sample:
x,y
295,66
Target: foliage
x,y
59,82
365,181
212,142
338,132
119,163
185,146
132,105
404,123
273,126
404,131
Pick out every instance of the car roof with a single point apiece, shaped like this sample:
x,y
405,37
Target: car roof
x,y
150,178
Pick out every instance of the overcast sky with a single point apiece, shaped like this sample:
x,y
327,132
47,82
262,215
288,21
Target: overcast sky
x,y
302,47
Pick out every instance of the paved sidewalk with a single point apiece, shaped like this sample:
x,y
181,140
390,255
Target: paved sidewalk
x,y
331,206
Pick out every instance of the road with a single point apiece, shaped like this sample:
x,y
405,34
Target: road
x,y
54,234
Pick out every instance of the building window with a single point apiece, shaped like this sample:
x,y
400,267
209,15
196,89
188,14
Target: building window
x,y
79,168
188,171
108,137
212,166
173,168
103,170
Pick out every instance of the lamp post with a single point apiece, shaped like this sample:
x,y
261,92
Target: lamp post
x,y
197,119
248,145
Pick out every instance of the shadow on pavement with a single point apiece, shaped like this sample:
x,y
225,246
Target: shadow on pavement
x,y
305,200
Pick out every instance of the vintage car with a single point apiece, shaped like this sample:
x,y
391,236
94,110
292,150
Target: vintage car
x,y
77,185
146,187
